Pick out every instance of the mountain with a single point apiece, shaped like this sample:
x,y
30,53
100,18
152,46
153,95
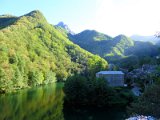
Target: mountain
x,y
151,39
120,50
119,44
143,49
33,52
64,28
6,20
139,54
91,35
102,44
91,41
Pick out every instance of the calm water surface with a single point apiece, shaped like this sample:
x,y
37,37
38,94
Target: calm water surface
x,y
46,103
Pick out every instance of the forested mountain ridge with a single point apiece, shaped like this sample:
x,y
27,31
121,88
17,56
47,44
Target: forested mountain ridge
x,y
91,41
101,44
118,45
121,50
91,35
33,52
6,20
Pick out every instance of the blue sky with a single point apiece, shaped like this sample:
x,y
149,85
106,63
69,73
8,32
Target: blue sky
x,y
112,17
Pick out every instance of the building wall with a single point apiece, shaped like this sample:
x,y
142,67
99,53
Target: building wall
x,y
113,79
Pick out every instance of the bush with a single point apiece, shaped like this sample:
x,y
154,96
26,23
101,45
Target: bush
x,y
35,78
148,103
94,92
76,90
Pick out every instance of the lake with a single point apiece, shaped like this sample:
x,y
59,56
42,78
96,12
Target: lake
x,y
46,103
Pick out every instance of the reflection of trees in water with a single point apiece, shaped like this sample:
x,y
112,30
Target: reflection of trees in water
x,y
41,103
93,113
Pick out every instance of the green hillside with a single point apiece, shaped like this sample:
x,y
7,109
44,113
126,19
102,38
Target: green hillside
x,y
103,45
117,47
33,52
92,41
120,50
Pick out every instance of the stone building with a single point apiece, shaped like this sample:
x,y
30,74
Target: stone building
x,y
114,78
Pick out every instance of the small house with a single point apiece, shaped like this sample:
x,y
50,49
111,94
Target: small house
x,y
114,78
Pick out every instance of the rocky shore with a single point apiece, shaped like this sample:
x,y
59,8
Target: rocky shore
x,y
141,117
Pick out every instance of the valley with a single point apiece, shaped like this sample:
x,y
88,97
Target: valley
x,y
36,54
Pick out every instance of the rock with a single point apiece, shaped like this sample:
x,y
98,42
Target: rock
x,y
141,117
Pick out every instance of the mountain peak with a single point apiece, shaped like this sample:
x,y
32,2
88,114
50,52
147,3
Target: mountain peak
x,y
90,31
36,14
121,36
65,27
61,24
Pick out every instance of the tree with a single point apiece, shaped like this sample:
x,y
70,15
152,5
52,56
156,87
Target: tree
x,y
5,83
18,80
50,77
94,92
76,90
35,78
148,103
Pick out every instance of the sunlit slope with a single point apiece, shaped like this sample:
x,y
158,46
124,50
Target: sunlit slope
x,y
33,52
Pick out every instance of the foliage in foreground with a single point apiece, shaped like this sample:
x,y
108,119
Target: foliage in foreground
x,y
148,103
80,91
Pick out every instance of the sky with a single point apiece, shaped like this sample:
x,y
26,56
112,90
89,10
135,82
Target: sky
x,y
112,17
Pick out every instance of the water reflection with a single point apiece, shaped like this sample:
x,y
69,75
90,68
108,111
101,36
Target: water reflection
x,y
95,114
41,103
46,103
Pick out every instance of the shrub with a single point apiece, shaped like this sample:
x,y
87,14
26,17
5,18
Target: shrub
x,y
94,92
148,103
